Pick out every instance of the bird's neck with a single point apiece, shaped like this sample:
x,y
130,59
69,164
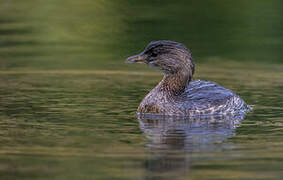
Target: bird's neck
x,y
175,84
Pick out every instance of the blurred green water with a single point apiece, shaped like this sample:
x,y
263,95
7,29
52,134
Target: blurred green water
x,y
68,100
99,34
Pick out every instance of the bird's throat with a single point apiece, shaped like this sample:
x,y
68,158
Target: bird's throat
x,y
174,84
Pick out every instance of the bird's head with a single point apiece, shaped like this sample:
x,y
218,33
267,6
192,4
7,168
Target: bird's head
x,y
168,56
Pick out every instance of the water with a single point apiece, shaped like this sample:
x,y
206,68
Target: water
x,y
68,101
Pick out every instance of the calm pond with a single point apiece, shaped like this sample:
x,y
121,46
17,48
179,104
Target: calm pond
x,y
68,101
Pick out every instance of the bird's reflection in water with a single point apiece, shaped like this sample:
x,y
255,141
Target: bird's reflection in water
x,y
171,140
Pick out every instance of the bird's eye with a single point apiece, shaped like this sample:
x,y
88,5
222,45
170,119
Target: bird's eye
x,y
153,54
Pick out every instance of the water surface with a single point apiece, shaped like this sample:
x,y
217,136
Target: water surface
x,y
68,101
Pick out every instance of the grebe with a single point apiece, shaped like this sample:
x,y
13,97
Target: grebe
x,y
176,94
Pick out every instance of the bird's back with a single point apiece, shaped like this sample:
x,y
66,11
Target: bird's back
x,y
204,97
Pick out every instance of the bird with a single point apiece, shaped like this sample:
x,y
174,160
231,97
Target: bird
x,y
176,94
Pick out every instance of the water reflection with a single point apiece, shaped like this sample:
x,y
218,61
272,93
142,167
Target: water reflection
x,y
171,140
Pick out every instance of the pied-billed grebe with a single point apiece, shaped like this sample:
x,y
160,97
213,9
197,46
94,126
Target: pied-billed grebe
x,y
175,94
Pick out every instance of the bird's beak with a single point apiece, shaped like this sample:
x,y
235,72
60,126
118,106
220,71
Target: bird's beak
x,y
140,58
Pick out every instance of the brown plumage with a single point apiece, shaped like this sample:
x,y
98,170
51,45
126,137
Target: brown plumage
x,y
175,94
